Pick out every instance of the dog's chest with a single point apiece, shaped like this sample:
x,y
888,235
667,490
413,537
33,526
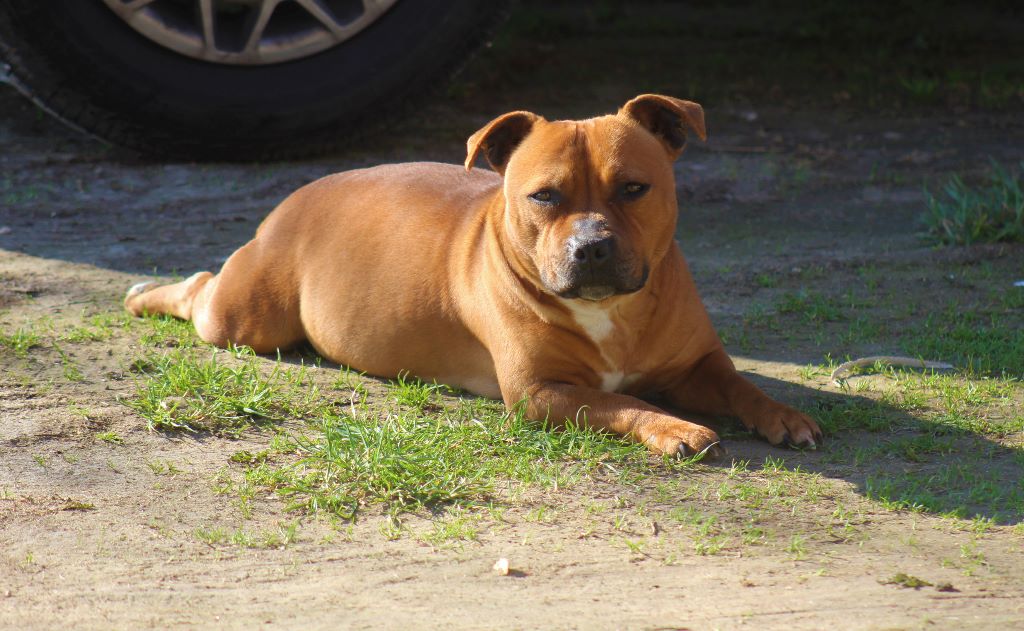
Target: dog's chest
x,y
598,325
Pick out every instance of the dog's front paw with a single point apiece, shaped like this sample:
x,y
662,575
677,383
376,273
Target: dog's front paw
x,y
781,424
676,437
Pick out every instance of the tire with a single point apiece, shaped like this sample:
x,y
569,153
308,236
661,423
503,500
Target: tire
x,y
80,61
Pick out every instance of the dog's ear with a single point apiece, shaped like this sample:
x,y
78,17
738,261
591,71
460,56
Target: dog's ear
x,y
499,138
667,118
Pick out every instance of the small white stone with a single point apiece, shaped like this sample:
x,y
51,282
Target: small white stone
x,y
501,566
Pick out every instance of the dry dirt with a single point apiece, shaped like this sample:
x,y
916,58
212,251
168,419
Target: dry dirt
x,y
91,537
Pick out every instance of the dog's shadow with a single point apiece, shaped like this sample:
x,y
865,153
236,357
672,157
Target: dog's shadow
x,y
890,456
943,465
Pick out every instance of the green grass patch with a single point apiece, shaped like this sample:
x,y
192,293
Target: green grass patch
x,y
969,485
20,341
96,328
110,437
906,581
835,414
466,453
281,536
224,393
814,307
419,446
168,331
977,343
988,213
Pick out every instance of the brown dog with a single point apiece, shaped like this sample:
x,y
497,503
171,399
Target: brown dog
x,y
556,281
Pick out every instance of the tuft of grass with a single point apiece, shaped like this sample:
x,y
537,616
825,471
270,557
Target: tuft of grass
x,y
96,328
183,392
814,307
906,581
414,393
797,547
989,213
110,437
247,457
451,532
20,341
165,467
168,331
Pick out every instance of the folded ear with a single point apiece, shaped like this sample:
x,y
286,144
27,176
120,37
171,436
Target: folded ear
x,y
667,118
499,138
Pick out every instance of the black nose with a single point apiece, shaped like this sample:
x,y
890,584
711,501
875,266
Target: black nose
x,y
594,253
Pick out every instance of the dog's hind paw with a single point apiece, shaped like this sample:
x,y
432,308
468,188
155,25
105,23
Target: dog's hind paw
x,y
131,302
139,288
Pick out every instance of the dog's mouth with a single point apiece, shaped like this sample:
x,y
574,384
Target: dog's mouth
x,y
601,290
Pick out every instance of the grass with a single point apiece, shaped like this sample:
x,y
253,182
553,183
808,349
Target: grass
x,y
901,579
978,342
465,453
20,341
902,441
989,213
110,437
224,393
422,447
283,535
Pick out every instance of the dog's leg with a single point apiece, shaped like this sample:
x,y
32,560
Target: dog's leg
x,y
175,299
714,387
619,413
250,302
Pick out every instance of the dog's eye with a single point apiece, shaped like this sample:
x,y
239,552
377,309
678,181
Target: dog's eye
x,y
632,190
545,197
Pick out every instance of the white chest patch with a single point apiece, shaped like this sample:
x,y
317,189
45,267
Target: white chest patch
x,y
595,321
611,381
616,381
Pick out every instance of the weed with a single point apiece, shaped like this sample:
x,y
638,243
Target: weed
x,y
981,345
73,504
223,397
68,365
20,341
247,457
412,392
163,467
906,581
986,214
110,437
211,536
813,306
165,330
280,537
451,532
797,547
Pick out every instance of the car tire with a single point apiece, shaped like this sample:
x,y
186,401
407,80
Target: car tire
x,y
80,61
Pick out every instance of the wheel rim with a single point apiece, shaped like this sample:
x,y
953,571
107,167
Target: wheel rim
x,y
249,32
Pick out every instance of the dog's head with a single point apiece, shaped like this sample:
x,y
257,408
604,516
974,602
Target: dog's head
x,y
590,206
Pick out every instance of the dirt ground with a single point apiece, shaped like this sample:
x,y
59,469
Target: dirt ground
x,y
96,535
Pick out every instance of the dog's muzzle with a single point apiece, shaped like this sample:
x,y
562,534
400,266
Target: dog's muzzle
x,y
594,269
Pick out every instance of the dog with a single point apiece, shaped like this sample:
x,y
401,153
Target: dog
x,y
553,281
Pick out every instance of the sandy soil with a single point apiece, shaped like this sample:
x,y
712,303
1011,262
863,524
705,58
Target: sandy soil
x,y
92,537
